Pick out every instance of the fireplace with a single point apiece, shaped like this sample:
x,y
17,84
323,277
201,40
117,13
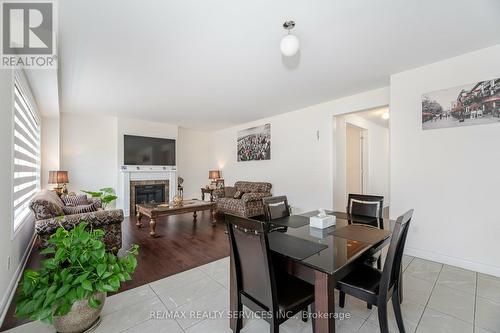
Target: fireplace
x,y
149,194
148,191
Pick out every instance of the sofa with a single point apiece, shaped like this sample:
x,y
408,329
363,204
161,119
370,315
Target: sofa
x,y
51,212
243,199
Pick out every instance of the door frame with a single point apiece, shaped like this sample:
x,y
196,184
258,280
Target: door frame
x,y
364,157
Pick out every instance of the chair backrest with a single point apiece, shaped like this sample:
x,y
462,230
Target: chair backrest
x,y
275,207
252,259
365,205
392,266
253,187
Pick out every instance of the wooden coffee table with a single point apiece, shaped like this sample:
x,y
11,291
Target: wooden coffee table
x,y
153,211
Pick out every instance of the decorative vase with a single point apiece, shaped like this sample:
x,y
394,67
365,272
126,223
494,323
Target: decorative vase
x,y
81,318
177,200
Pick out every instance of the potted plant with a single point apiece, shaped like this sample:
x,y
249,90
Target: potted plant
x,y
107,195
70,289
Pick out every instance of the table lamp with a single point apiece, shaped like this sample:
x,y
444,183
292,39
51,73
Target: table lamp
x,y
214,175
61,179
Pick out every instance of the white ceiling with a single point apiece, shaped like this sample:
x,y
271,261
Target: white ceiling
x,y
211,64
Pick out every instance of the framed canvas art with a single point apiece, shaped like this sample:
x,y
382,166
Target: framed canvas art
x,y
254,143
473,104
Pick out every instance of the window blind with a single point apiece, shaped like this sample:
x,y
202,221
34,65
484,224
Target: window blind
x,y
26,153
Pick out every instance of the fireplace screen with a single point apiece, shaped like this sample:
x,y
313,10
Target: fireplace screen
x,y
149,194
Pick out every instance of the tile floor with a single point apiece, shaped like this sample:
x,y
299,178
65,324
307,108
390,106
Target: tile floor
x,y
437,298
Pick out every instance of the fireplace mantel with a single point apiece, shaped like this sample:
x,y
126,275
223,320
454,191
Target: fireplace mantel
x,y
138,173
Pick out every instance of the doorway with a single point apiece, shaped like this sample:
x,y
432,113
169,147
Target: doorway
x,y
361,155
355,160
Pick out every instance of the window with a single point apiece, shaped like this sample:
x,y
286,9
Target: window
x,y
26,151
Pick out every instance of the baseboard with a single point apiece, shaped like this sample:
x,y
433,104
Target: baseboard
x,y
11,290
453,261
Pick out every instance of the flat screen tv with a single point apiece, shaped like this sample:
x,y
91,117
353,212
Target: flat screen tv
x,y
141,150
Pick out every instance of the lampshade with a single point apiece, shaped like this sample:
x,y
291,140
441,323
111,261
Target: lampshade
x,y
289,45
58,177
214,174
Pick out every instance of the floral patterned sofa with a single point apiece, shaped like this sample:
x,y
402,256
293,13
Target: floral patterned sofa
x,y
49,211
244,199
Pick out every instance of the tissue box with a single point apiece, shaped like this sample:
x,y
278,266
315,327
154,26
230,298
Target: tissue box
x,y
322,222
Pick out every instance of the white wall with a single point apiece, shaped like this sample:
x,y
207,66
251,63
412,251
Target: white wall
x,y
377,158
449,176
92,148
301,165
194,160
89,151
13,246
50,148
140,128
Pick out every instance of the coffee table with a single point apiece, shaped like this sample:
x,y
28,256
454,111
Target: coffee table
x,y
153,211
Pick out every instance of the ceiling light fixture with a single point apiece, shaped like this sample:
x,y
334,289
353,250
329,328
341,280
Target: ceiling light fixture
x,y
385,115
290,43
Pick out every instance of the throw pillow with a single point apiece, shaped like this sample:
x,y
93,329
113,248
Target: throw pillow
x,y
75,200
80,209
45,209
96,202
46,205
237,195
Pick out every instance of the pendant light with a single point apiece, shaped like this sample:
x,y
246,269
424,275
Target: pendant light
x,y
290,44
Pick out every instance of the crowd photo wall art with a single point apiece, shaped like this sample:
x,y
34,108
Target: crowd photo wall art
x,y
254,143
473,104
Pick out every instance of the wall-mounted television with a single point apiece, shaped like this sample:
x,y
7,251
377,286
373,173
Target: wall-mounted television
x,y
141,150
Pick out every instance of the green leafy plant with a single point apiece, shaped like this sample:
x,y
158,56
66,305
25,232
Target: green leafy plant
x,y
78,268
107,195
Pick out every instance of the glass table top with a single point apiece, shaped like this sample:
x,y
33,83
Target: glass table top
x,y
340,251
191,203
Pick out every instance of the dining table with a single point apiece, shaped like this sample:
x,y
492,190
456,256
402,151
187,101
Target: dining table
x,y
321,256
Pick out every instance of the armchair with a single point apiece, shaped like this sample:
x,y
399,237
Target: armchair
x,y
250,202
48,209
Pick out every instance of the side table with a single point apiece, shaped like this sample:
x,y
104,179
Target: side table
x,y
210,191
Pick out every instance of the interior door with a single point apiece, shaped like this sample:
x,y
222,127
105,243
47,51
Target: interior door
x,y
354,159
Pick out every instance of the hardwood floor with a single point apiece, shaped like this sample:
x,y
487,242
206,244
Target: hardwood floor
x,y
181,245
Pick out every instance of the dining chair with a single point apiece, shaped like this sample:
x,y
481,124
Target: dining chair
x,y
372,206
365,205
376,287
275,208
260,286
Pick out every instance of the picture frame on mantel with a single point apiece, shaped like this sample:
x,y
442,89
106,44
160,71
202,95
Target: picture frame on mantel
x,y
217,184
471,104
254,143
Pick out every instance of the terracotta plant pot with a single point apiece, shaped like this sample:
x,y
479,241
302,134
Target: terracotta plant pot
x,y
81,317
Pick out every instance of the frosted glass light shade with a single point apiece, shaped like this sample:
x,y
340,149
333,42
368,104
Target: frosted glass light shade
x,y
289,45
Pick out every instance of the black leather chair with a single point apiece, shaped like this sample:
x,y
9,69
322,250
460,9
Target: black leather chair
x,y
377,287
275,208
260,286
371,206
365,205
